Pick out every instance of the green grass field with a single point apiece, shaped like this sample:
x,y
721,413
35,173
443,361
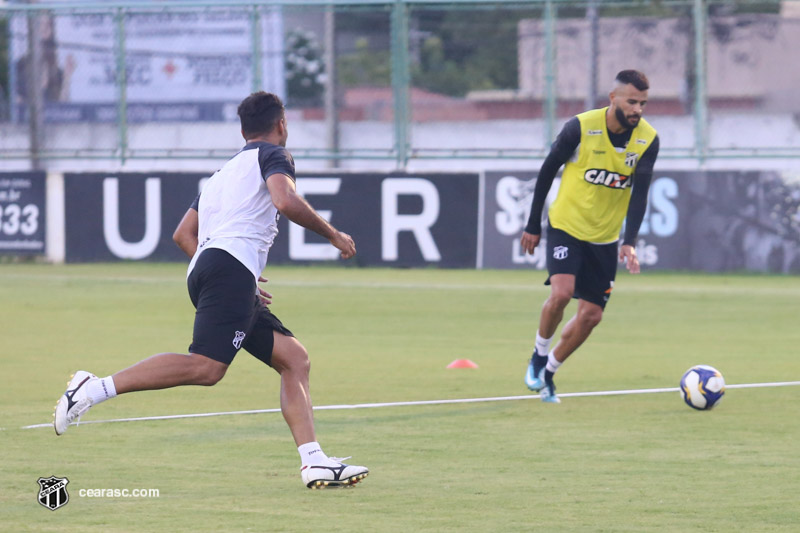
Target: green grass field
x,y
617,463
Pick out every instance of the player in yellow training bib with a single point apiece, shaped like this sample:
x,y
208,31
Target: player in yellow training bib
x,y
608,156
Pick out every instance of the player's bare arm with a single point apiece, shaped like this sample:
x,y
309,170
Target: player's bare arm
x,y
295,208
185,235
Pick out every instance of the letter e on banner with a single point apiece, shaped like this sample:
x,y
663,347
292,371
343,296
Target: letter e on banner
x,y
299,249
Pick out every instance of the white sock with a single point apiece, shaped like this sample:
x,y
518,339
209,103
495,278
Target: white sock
x,y
311,453
542,345
552,363
100,390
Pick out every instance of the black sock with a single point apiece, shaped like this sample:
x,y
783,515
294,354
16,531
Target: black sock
x,y
539,362
548,377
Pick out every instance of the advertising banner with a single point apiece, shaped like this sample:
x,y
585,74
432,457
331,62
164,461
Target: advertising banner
x,y
22,213
112,217
395,220
709,221
198,60
742,221
507,206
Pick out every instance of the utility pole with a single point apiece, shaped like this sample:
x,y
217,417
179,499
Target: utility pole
x,y
35,94
591,89
331,100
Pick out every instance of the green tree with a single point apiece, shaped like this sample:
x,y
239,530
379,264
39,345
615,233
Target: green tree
x,y
365,66
467,50
459,50
305,70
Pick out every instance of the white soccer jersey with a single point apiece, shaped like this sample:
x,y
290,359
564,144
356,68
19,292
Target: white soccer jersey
x,y
235,209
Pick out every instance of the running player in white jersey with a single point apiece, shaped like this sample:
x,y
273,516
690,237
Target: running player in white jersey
x,y
228,232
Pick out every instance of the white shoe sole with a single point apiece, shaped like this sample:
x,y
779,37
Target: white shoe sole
x,y
321,483
61,412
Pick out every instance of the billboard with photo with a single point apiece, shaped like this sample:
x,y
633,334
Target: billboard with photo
x,y
189,64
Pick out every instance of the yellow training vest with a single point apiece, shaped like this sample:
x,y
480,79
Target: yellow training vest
x,y
595,189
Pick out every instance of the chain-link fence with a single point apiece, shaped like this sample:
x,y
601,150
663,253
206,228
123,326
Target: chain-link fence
x,y
370,82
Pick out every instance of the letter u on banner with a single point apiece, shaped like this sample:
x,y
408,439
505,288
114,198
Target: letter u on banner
x,y
152,227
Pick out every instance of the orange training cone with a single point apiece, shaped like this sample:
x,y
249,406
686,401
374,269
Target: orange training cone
x,y
462,363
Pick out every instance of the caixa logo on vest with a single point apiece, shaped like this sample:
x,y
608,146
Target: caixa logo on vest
x,y
597,176
53,492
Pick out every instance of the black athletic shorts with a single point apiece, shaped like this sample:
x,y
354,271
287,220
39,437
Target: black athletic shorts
x,y
593,265
229,313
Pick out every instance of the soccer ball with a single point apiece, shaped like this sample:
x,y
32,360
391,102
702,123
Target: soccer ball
x,y
702,387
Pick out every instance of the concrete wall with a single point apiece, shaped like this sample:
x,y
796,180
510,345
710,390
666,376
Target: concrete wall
x,y
727,130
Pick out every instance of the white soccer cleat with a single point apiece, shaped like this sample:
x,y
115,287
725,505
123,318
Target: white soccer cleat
x,y
332,474
548,393
74,403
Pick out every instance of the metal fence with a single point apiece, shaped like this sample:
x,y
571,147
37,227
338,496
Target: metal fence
x,y
392,81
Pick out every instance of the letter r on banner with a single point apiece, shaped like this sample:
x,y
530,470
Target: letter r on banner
x,y
420,225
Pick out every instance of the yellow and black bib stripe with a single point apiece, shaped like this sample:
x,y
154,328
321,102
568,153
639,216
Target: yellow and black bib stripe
x,y
596,183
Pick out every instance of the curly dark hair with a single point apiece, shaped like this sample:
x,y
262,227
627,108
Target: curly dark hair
x,y
260,113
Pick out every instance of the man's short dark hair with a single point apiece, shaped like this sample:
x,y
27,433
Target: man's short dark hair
x,y
260,113
635,78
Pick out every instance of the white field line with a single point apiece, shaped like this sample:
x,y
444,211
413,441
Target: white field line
x,y
535,285
420,402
